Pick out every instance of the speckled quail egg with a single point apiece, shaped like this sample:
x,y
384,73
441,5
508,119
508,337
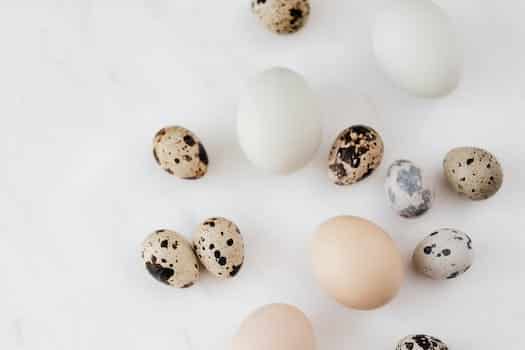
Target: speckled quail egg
x,y
421,342
408,190
355,154
219,245
282,16
170,259
178,151
444,254
473,172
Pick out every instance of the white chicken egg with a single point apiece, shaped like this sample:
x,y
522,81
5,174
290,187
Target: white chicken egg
x,y
415,45
278,121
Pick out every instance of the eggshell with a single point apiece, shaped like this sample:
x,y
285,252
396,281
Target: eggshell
x,y
278,121
282,16
421,342
444,254
473,172
275,327
415,45
355,154
180,152
169,258
409,192
356,262
219,246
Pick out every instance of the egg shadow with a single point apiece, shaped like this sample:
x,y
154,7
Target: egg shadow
x,y
448,200
334,324
224,151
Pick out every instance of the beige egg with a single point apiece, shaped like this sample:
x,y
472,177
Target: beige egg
x,y
356,262
275,327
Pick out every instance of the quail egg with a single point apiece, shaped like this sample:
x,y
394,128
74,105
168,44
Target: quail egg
x,y
178,151
219,245
408,190
444,254
421,342
355,154
169,259
473,172
282,16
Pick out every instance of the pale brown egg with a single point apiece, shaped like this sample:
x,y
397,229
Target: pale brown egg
x,y
275,327
356,262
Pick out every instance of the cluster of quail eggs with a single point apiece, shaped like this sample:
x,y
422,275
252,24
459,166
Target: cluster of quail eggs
x,y
355,154
472,172
358,150
273,104
217,245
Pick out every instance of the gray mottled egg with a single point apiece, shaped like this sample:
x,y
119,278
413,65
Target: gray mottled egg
x,y
170,259
421,342
355,154
219,245
408,191
282,16
178,151
444,254
473,172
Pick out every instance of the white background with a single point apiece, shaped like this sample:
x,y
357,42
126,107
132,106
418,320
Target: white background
x,y
84,85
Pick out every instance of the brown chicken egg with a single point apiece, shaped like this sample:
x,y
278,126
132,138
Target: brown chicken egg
x,y
356,262
275,327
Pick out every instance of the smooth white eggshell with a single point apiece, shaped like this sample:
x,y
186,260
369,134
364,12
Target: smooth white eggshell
x,y
415,45
278,121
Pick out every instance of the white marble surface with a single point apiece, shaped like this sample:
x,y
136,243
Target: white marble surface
x,y
84,84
